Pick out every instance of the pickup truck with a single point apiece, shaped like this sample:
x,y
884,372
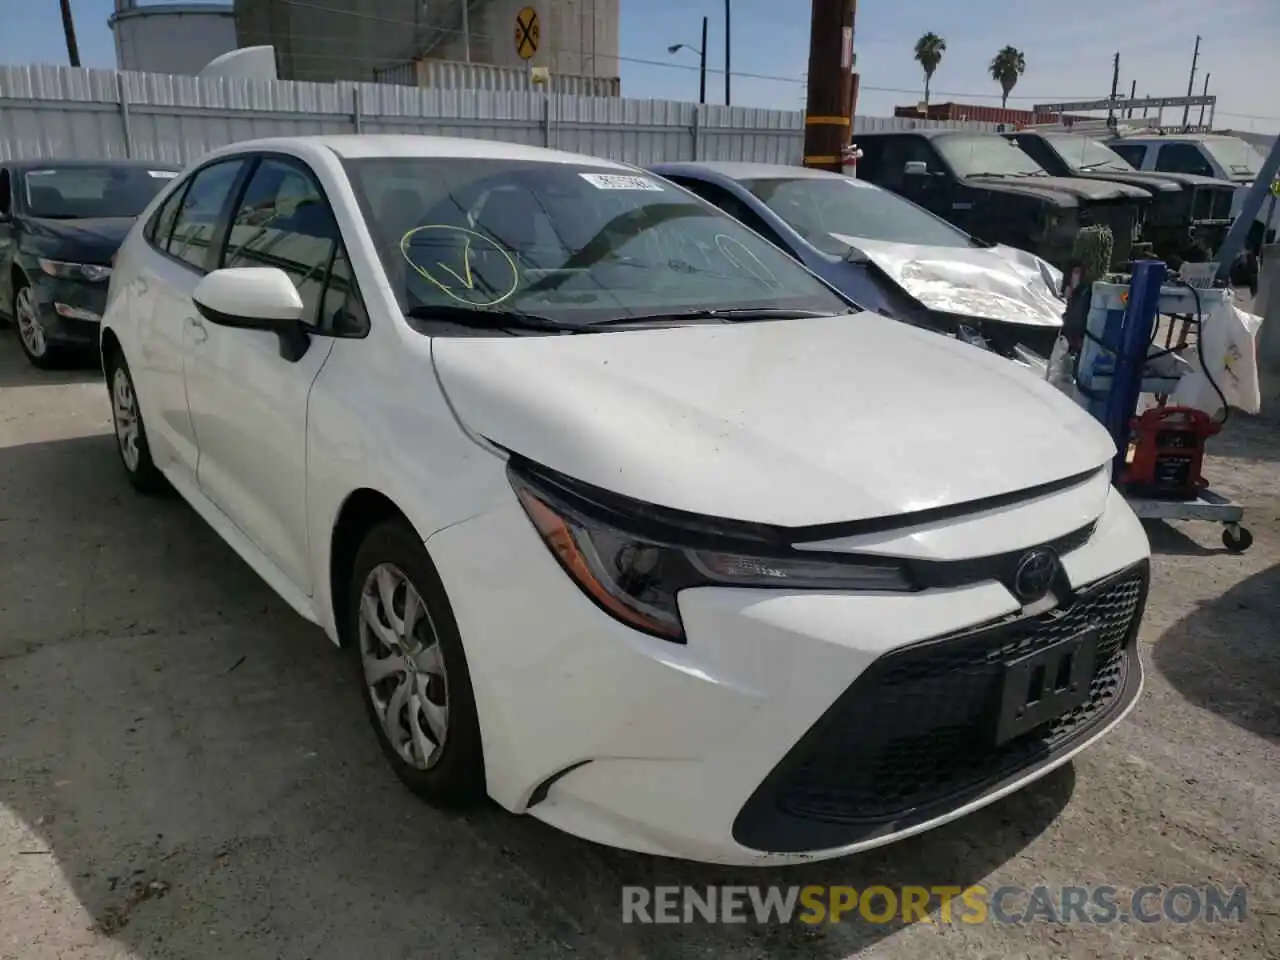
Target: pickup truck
x,y
1226,158
991,189
1189,214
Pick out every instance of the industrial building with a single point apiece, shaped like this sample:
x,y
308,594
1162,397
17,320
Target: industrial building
x,y
171,38
367,40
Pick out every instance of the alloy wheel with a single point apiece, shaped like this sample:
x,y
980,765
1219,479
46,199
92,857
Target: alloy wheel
x,y
124,408
403,665
30,327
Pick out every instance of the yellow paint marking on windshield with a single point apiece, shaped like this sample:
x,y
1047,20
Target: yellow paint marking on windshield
x,y
466,279
768,279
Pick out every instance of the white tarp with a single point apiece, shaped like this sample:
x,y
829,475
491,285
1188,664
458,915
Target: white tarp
x,y
998,283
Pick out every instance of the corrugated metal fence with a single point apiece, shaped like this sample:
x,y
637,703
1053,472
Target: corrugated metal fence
x,y
48,112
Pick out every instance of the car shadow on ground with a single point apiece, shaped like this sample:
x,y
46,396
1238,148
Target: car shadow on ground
x,y
17,371
1225,655
192,759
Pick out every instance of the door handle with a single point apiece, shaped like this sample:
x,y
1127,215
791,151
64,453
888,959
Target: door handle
x,y
199,333
140,285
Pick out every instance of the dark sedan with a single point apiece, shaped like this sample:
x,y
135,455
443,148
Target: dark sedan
x,y
886,254
61,222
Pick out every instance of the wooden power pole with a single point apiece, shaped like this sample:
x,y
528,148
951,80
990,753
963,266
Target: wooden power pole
x,y
829,104
69,31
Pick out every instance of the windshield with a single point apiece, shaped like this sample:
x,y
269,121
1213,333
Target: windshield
x,y
1084,153
817,207
986,154
1236,157
571,244
88,192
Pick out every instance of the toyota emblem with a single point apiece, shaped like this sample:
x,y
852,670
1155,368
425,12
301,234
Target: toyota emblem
x,y
1034,575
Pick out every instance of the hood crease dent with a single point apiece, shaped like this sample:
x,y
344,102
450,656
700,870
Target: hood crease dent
x,y
998,283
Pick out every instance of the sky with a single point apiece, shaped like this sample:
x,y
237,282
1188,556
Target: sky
x,y
1068,53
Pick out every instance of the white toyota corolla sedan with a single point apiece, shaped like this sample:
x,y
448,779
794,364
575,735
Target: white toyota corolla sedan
x,y
626,519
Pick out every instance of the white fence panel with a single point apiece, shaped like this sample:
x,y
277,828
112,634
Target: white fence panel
x,y
49,111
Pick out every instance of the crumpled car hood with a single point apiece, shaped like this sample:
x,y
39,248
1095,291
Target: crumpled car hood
x,y
998,283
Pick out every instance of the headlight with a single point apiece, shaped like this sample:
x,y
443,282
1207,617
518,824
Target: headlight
x,y
633,559
75,271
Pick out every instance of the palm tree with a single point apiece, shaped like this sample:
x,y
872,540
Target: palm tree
x,y
929,51
1007,66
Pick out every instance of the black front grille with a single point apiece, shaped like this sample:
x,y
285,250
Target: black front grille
x,y
1222,200
913,737
1171,209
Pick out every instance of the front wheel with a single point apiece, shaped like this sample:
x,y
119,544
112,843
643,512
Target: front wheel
x,y
131,433
412,670
32,336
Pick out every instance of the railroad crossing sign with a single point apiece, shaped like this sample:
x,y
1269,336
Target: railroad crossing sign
x,y
528,33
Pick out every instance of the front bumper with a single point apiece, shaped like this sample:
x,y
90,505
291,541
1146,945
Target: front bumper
x,y
775,735
71,310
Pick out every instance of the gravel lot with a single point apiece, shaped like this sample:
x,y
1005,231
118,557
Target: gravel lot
x,y
185,771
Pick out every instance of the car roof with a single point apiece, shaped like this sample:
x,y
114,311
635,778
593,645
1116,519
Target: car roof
x,y
49,162
929,133
1183,137
355,146
742,171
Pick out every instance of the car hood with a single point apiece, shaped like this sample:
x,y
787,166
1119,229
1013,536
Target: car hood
x,y
995,283
792,422
1164,183
1074,187
82,241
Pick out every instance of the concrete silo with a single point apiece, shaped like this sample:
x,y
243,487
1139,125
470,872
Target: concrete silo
x,y
364,39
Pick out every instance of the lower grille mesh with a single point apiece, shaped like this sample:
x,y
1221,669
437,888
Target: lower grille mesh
x,y
922,732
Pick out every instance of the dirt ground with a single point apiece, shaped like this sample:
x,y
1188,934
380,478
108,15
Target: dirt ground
x,y
185,770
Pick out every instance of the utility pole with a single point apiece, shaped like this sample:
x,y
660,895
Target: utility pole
x,y
827,123
69,31
1191,81
1206,93
1133,92
702,65
728,44
1115,85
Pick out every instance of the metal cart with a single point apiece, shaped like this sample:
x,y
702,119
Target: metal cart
x,y
1137,336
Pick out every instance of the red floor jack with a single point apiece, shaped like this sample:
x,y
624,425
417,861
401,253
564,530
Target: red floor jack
x,y
1166,453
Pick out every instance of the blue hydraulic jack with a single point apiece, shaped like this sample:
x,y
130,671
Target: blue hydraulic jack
x,y
1114,372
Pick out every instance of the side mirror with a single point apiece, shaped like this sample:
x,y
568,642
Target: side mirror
x,y
255,298
915,168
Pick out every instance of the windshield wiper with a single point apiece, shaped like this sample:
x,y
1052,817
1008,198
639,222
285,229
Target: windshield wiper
x,y
488,318
730,315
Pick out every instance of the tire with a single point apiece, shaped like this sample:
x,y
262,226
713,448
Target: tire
x,y
32,337
130,431
443,768
1238,540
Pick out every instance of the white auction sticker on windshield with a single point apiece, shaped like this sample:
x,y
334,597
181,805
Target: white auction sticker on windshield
x,y
163,174
618,181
